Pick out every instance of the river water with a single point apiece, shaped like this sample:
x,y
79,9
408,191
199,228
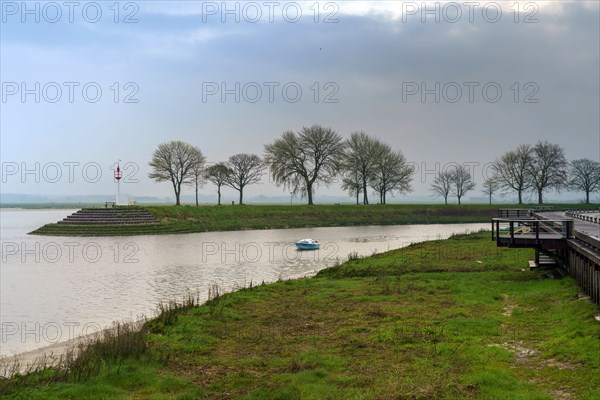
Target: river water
x,y
55,288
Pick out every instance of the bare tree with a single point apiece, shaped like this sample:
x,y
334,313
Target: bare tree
x,y
548,168
490,186
217,173
173,161
197,177
244,170
390,173
461,181
512,170
299,161
584,176
352,183
360,158
442,185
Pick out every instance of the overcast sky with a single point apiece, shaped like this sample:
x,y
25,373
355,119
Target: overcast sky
x,y
359,66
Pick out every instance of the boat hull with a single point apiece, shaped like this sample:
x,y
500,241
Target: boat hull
x,y
307,246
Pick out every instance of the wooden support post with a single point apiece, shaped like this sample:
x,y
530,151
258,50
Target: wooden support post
x,y
512,232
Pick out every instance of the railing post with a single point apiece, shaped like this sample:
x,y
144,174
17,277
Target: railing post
x,y
497,229
512,231
537,231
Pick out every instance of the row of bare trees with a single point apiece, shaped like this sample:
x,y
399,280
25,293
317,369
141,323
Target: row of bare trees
x,y
543,167
301,161
368,162
536,168
456,181
184,164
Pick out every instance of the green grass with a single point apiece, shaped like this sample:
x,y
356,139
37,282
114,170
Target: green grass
x,y
448,319
187,219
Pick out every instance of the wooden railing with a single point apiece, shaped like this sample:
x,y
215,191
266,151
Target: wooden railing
x,y
515,227
584,215
514,213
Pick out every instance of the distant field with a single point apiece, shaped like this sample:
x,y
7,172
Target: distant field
x,y
187,219
40,206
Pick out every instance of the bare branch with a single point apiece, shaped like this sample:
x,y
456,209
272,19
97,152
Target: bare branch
x,y
548,168
442,185
584,176
511,170
299,161
244,170
175,161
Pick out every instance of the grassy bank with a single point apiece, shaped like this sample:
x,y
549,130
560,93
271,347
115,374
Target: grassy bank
x,y
187,219
449,319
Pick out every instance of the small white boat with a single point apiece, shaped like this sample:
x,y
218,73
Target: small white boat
x,y
307,244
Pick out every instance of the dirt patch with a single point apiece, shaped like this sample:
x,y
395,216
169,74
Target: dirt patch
x,y
524,354
562,394
583,297
509,306
527,355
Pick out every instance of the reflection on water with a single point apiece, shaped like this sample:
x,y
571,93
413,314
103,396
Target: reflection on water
x,y
53,288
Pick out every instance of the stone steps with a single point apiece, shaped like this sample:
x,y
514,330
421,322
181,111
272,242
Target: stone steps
x,y
110,216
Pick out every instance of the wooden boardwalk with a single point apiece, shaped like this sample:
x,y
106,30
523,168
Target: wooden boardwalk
x,y
590,229
572,244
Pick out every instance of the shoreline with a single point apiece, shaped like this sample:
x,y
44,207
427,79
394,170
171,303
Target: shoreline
x,y
183,219
50,355
192,219
409,310
28,357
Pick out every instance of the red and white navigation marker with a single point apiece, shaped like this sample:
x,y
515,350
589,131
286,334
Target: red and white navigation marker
x,y
118,176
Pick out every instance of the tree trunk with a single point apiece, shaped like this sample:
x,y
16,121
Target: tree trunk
x,y
587,197
520,196
357,196
365,195
446,200
540,200
196,195
219,194
458,197
309,192
176,193
241,196
490,199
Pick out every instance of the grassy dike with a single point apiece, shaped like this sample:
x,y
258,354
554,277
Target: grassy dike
x,y
448,319
187,219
